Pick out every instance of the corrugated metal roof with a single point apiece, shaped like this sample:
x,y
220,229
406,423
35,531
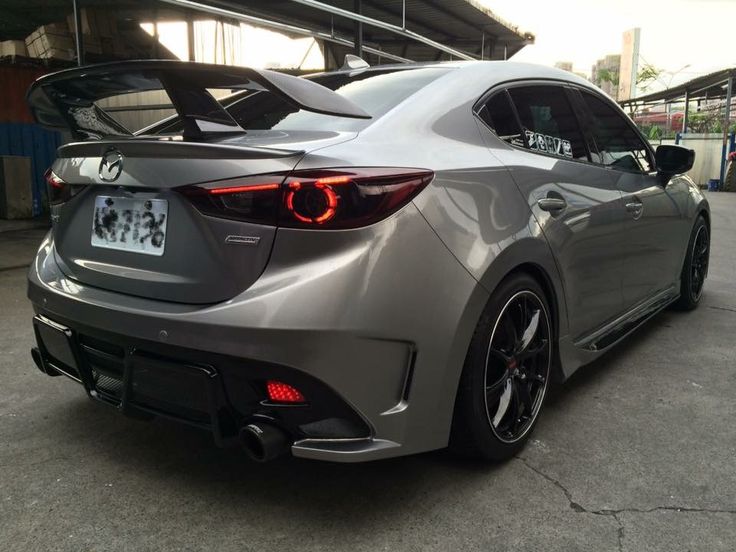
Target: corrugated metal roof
x,y
711,86
461,24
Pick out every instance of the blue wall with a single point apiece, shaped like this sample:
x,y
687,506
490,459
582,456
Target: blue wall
x,y
40,145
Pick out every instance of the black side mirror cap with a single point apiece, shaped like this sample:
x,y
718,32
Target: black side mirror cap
x,y
673,160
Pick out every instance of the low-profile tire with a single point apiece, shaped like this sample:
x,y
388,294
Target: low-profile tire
x,y
506,374
695,267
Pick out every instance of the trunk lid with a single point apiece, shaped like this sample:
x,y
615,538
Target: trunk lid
x,y
204,259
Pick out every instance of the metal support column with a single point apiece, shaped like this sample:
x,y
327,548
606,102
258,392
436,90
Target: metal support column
x,y
687,112
358,8
154,43
78,32
726,121
190,37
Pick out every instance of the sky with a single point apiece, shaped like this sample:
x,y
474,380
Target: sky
x,y
674,33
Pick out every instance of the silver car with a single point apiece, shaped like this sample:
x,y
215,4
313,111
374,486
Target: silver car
x,y
363,264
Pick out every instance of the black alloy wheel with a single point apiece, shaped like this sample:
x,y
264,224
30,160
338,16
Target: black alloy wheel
x,y
517,366
695,267
506,374
699,263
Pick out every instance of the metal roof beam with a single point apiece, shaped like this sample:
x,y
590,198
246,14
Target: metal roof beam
x,y
385,26
284,27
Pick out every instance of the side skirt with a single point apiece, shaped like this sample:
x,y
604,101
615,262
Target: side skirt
x,y
575,354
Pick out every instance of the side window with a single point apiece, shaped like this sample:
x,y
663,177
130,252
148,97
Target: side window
x,y
548,121
498,114
618,144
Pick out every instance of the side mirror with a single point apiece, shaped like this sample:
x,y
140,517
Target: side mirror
x,y
673,160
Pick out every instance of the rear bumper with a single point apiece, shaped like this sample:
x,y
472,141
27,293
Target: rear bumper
x,y
209,391
383,348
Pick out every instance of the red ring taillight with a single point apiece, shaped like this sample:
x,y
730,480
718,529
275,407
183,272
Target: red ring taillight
x,y
324,198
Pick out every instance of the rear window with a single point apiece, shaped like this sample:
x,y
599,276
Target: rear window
x,y
376,92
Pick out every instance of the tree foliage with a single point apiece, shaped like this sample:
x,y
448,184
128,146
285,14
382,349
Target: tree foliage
x,y
647,75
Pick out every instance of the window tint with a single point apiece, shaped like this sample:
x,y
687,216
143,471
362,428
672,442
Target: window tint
x,y
548,122
498,114
617,143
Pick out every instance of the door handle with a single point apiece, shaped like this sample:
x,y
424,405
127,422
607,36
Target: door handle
x,y
635,208
552,204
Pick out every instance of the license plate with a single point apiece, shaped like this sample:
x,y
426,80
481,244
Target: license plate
x,y
130,224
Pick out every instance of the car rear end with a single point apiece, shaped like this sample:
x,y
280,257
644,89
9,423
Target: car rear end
x,y
204,277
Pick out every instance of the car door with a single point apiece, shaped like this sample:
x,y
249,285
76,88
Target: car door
x,y
575,202
652,212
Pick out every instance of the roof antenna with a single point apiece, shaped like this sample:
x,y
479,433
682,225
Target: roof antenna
x,y
354,62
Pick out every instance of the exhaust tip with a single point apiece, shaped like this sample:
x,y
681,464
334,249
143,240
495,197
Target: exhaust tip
x,y
263,442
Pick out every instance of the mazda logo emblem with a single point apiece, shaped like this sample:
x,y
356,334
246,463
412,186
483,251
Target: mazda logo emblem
x,y
111,165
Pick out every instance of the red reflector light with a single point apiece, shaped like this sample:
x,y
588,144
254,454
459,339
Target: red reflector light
x,y
280,392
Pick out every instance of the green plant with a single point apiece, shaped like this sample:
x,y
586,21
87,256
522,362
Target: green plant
x,y
654,133
647,75
606,75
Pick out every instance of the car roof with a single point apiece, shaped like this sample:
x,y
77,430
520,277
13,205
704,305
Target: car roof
x,y
512,69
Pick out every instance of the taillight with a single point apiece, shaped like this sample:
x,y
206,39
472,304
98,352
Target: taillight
x,y
58,190
325,198
254,199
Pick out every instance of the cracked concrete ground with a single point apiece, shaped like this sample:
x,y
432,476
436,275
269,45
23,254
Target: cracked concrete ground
x,y
635,453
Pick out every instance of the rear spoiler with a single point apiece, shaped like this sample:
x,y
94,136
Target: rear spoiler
x,y
66,99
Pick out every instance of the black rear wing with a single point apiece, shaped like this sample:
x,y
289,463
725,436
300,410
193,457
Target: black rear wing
x,y
67,99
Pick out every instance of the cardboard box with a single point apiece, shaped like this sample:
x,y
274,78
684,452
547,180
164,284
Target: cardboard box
x,y
65,54
93,23
16,196
91,44
113,47
31,44
47,42
53,29
84,16
51,41
13,48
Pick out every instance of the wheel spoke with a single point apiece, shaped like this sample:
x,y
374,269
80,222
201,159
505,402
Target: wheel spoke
x,y
510,330
530,331
499,355
493,389
535,350
503,403
525,397
703,248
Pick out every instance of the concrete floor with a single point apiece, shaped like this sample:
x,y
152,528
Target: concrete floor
x,y
635,453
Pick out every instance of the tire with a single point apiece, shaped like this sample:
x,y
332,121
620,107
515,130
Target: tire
x,y
494,416
730,184
695,267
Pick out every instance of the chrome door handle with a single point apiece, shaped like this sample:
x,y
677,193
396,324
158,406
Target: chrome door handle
x,y
552,204
635,208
